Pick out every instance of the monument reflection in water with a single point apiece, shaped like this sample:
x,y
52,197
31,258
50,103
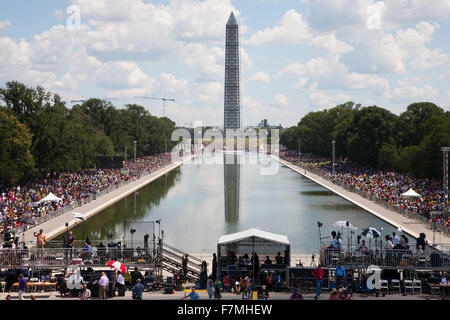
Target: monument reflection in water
x,y
232,184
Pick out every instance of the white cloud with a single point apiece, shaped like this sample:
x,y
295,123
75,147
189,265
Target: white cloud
x,y
170,84
413,11
329,43
280,100
254,111
122,74
318,98
259,77
292,29
332,15
408,92
4,24
209,93
292,69
332,74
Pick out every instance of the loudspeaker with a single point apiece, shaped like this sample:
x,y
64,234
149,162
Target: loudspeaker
x,y
168,289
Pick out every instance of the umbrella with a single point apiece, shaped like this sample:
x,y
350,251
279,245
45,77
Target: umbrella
x,y
371,233
116,265
344,224
78,215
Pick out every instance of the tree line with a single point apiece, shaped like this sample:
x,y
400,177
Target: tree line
x,y
40,134
374,137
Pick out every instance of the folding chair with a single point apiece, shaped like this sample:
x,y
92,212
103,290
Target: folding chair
x,y
417,284
435,289
395,283
384,285
408,285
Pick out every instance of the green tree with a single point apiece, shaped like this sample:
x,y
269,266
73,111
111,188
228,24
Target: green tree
x,y
16,161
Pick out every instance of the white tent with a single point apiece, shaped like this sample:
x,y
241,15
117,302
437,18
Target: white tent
x,y
78,215
50,198
411,194
243,235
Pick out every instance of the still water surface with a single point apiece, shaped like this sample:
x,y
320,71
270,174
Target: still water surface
x,y
197,203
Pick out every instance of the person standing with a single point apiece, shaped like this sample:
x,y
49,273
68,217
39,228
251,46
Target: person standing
x,y
184,264
22,286
214,267
340,274
68,244
120,284
103,286
135,275
210,287
318,274
395,239
41,240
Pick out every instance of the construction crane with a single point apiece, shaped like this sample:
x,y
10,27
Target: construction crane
x,y
164,100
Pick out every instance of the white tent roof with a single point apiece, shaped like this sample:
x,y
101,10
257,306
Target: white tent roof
x,y
253,233
411,193
50,197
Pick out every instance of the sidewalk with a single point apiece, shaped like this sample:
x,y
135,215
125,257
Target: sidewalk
x,y
56,226
410,226
179,295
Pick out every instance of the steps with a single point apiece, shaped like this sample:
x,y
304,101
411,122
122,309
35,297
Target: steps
x,y
171,260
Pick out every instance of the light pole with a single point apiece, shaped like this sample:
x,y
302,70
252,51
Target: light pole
x,y
125,158
334,156
445,151
299,150
134,142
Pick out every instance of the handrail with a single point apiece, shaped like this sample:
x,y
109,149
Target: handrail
x,y
182,252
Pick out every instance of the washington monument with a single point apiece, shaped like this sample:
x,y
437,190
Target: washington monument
x,y
232,109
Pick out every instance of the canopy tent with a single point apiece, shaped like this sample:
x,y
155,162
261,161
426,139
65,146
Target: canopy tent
x,y
411,194
253,240
78,215
344,224
50,198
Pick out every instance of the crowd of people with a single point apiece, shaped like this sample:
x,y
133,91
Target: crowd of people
x,y
381,185
21,204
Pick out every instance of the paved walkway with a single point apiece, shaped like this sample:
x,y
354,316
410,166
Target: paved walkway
x,y
225,296
410,226
56,226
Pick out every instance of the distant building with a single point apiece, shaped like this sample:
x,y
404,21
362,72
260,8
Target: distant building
x,y
263,124
232,108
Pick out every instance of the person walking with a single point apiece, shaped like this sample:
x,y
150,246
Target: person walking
x,y
22,286
103,286
318,274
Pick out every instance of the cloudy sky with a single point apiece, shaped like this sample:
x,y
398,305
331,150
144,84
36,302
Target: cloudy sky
x,y
297,56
